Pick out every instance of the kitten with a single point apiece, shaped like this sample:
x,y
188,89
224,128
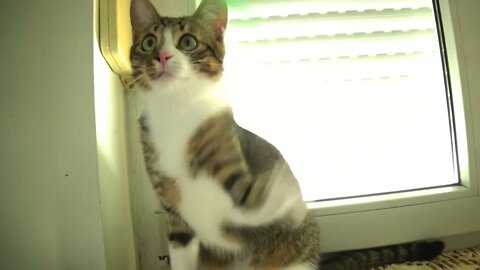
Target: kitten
x,y
231,198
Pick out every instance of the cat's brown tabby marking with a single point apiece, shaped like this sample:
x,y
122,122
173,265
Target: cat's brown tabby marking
x,y
217,149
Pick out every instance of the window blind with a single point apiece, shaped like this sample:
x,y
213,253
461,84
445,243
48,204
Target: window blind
x,y
351,91
352,39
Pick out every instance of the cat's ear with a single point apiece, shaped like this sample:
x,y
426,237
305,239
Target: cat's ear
x,y
214,15
142,15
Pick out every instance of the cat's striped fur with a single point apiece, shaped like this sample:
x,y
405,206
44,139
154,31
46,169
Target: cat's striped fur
x,y
231,198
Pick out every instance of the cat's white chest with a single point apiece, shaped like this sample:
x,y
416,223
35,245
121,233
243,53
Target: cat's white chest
x,y
173,116
171,131
172,123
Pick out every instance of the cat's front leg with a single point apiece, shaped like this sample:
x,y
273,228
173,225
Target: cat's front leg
x,y
282,199
184,257
261,194
183,244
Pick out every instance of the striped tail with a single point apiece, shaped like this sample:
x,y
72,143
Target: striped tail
x,y
369,258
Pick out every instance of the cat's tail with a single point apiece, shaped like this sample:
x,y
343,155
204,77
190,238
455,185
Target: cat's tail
x,y
368,258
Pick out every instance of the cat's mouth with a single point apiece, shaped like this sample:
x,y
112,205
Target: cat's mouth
x,y
167,75
163,74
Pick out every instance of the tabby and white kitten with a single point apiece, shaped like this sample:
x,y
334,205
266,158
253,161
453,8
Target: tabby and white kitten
x,y
231,199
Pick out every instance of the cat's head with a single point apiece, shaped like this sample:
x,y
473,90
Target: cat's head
x,y
166,48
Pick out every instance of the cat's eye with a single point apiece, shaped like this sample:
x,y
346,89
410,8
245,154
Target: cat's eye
x,y
188,43
149,43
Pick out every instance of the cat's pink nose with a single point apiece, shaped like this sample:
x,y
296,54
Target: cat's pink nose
x,y
164,56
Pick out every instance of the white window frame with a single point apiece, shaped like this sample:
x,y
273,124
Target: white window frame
x,y
366,221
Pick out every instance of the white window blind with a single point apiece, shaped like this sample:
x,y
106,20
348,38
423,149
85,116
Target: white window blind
x,y
351,91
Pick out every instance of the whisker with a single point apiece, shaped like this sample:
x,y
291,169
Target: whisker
x,y
137,79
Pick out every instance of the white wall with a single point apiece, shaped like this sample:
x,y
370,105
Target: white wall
x,y
63,199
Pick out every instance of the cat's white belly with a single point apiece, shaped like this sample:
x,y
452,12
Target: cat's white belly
x,y
203,202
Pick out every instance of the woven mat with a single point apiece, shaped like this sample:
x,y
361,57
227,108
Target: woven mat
x,y
465,259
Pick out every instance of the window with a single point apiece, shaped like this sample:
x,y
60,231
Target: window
x,y
352,92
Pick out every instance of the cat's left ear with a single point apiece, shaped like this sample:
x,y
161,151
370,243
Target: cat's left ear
x,y
214,15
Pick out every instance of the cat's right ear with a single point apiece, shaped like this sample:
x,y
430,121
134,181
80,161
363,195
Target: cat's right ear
x,y
214,15
142,15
